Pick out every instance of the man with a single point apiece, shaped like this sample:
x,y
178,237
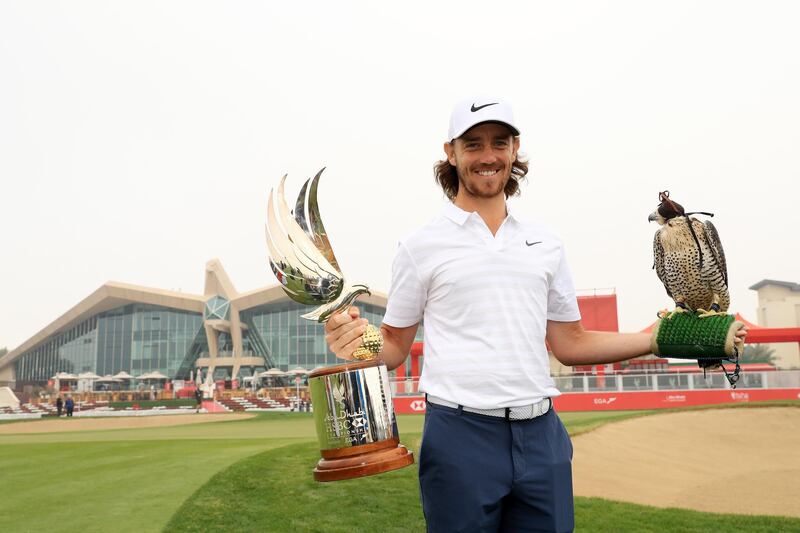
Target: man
x,y
492,288
198,398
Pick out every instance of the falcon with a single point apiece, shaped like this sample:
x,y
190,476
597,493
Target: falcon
x,y
689,260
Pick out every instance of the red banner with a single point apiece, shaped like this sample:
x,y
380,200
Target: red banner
x,y
622,401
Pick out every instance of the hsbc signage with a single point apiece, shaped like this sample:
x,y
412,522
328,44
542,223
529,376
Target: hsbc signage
x,y
417,405
409,405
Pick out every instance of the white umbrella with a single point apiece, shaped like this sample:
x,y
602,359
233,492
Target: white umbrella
x,y
109,379
273,372
122,375
65,376
152,375
297,372
88,375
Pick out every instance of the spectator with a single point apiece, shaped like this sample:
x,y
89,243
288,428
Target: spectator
x,y
59,405
70,405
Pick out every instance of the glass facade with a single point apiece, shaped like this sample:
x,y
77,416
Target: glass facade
x,y
135,338
139,338
74,351
278,333
217,307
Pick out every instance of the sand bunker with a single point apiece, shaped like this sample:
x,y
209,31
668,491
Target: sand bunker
x,y
742,461
51,425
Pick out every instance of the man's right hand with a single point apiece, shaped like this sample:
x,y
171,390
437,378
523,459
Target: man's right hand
x,y
344,332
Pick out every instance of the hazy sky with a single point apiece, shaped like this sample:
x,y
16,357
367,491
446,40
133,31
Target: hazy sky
x,y
139,139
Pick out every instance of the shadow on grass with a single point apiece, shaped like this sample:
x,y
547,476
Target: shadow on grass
x,y
275,491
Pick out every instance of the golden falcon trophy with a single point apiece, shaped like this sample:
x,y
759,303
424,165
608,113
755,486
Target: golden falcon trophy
x,y
353,410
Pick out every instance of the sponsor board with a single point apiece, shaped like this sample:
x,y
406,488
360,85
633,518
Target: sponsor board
x,y
604,401
619,401
740,396
418,406
666,399
409,405
675,398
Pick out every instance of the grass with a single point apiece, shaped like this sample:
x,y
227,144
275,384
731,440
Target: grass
x,y
87,486
255,475
274,491
144,404
596,515
133,479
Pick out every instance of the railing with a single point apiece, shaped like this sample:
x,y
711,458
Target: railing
x,y
778,379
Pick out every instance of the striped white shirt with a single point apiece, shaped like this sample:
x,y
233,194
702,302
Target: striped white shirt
x,y
485,300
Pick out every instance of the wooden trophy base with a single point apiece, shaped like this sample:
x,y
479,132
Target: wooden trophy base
x,y
360,461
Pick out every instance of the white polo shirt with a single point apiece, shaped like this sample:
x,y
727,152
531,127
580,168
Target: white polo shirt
x,y
485,301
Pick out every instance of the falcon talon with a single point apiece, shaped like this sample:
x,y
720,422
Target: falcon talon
x,y
677,311
705,314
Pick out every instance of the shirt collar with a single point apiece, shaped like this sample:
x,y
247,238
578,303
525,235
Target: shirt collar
x,y
459,216
455,213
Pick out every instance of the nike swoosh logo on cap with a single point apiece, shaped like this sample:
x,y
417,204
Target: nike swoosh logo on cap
x,y
532,243
473,108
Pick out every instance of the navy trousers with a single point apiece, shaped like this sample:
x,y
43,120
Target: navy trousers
x,y
484,474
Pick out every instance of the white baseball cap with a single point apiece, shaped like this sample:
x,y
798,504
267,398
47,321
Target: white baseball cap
x,y
469,113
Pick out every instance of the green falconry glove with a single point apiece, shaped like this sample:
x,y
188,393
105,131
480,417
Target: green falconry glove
x,y
710,340
687,336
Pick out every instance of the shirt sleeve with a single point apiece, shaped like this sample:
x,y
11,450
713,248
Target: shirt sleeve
x,y
562,305
407,293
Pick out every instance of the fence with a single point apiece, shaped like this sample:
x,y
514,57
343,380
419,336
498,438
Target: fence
x,y
778,379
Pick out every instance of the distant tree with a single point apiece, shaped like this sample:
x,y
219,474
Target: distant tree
x,y
758,353
3,351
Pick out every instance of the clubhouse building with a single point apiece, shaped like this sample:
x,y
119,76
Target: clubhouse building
x,y
138,330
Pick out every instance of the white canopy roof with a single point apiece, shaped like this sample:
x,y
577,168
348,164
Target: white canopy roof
x,y
152,375
273,372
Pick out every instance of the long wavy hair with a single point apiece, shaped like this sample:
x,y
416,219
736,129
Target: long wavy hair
x,y
447,177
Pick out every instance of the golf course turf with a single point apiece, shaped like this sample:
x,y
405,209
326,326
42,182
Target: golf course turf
x,y
255,475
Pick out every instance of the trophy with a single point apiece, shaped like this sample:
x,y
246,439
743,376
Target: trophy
x,y
353,410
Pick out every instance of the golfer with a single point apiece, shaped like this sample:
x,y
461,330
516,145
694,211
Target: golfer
x,y
492,288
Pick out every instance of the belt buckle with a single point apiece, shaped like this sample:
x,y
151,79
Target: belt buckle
x,y
533,410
